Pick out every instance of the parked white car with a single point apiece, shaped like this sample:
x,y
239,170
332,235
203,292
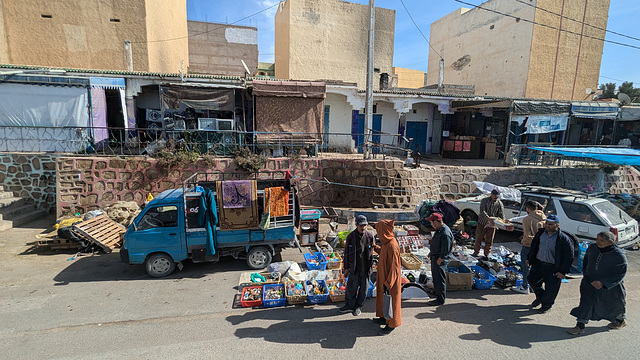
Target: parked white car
x,y
581,216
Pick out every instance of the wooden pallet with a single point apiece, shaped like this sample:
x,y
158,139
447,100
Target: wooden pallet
x,y
101,231
59,244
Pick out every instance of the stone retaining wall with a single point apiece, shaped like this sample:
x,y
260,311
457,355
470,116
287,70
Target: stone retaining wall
x,y
85,184
30,176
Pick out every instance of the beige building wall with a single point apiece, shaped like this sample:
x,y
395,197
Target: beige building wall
x,y
91,34
219,48
482,48
408,78
564,65
167,19
328,40
506,56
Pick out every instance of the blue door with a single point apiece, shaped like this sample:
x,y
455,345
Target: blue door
x,y
377,126
325,143
418,131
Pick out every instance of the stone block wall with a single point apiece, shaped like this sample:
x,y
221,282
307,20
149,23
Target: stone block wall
x,y
30,176
85,183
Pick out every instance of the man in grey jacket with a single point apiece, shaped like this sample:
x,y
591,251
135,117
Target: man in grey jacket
x,y
441,245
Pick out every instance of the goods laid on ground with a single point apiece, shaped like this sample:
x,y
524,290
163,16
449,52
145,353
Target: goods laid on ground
x,y
251,296
337,290
334,261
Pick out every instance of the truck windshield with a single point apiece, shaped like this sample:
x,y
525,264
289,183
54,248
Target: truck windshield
x,y
613,214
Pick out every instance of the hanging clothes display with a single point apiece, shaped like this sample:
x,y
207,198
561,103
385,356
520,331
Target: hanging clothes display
x,y
278,201
238,218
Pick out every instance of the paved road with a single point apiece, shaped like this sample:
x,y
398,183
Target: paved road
x,y
97,307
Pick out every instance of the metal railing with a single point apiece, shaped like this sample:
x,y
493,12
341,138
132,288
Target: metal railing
x,y
117,141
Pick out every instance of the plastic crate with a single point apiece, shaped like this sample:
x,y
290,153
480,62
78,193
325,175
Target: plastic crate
x,y
319,299
322,261
505,283
487,280
338,295
296,299
250,303
333,262
274,302
310,214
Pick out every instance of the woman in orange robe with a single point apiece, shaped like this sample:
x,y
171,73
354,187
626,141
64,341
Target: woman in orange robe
x,y
389,275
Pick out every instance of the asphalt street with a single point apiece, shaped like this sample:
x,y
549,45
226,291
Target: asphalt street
x,y
54,306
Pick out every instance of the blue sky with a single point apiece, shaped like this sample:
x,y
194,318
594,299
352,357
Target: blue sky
x,y
619,63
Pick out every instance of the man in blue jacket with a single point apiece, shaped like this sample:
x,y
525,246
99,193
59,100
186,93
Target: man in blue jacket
x,y
550,259
358,265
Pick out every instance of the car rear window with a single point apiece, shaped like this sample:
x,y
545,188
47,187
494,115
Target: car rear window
x,y
612,213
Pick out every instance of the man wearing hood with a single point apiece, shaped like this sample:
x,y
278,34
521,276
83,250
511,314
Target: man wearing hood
x,y
533,222
602,293
389,275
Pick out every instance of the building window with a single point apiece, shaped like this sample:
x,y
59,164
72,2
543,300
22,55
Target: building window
x,y
45,16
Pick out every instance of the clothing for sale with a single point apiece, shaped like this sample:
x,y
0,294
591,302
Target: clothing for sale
x,y
277,199
609,266
533,222
389,272
449,211
491,209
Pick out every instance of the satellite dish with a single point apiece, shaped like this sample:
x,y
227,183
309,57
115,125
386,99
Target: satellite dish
x,y
624,98
246,68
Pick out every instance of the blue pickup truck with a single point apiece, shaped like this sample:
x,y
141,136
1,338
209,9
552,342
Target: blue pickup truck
x,y
181,224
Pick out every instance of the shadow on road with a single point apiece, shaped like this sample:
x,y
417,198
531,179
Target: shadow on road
x,y
307,325
509,325
108,267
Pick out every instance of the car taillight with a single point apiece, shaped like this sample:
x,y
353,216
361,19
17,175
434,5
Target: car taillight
x,y
614,231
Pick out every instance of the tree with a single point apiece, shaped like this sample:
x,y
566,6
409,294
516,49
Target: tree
x,y
609,91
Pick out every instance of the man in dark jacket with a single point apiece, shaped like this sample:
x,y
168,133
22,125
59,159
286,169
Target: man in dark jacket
x,y
441,245
358,265
550,259
602,293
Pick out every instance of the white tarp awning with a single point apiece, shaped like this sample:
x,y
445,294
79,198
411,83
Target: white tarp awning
x,y
43,118
506,193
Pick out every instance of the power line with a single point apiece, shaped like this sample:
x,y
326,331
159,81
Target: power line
x,y
208,31
578,21
548,26
604,77
417,27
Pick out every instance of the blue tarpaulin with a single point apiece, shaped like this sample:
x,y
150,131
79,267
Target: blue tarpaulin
x,y
621,156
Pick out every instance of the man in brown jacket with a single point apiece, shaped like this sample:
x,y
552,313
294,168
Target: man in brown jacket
x,y
533,222
389,275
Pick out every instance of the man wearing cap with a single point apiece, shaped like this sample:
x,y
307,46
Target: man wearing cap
x,y
550,259
358,265
441,246
490,206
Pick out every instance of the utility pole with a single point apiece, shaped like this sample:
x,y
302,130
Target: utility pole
x,y
369,97
128,55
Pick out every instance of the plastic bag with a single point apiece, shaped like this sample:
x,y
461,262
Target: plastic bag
x,y
387,306
582,250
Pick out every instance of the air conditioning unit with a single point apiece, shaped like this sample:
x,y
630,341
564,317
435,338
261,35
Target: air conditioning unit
x,y
213,124
207,124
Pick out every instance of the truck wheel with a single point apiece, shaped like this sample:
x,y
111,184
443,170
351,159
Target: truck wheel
x,y
469,215
258,258
159,265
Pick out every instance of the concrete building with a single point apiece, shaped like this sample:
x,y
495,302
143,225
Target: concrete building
x,y
266,69
328,40
90,34
409,79
219,48
510,56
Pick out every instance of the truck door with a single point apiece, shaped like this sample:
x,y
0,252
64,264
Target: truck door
x,y
161,229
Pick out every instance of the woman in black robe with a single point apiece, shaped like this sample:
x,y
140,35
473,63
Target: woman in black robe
x,y
602,293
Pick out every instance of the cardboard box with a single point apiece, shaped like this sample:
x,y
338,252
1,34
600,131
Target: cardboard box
x,y
459,281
